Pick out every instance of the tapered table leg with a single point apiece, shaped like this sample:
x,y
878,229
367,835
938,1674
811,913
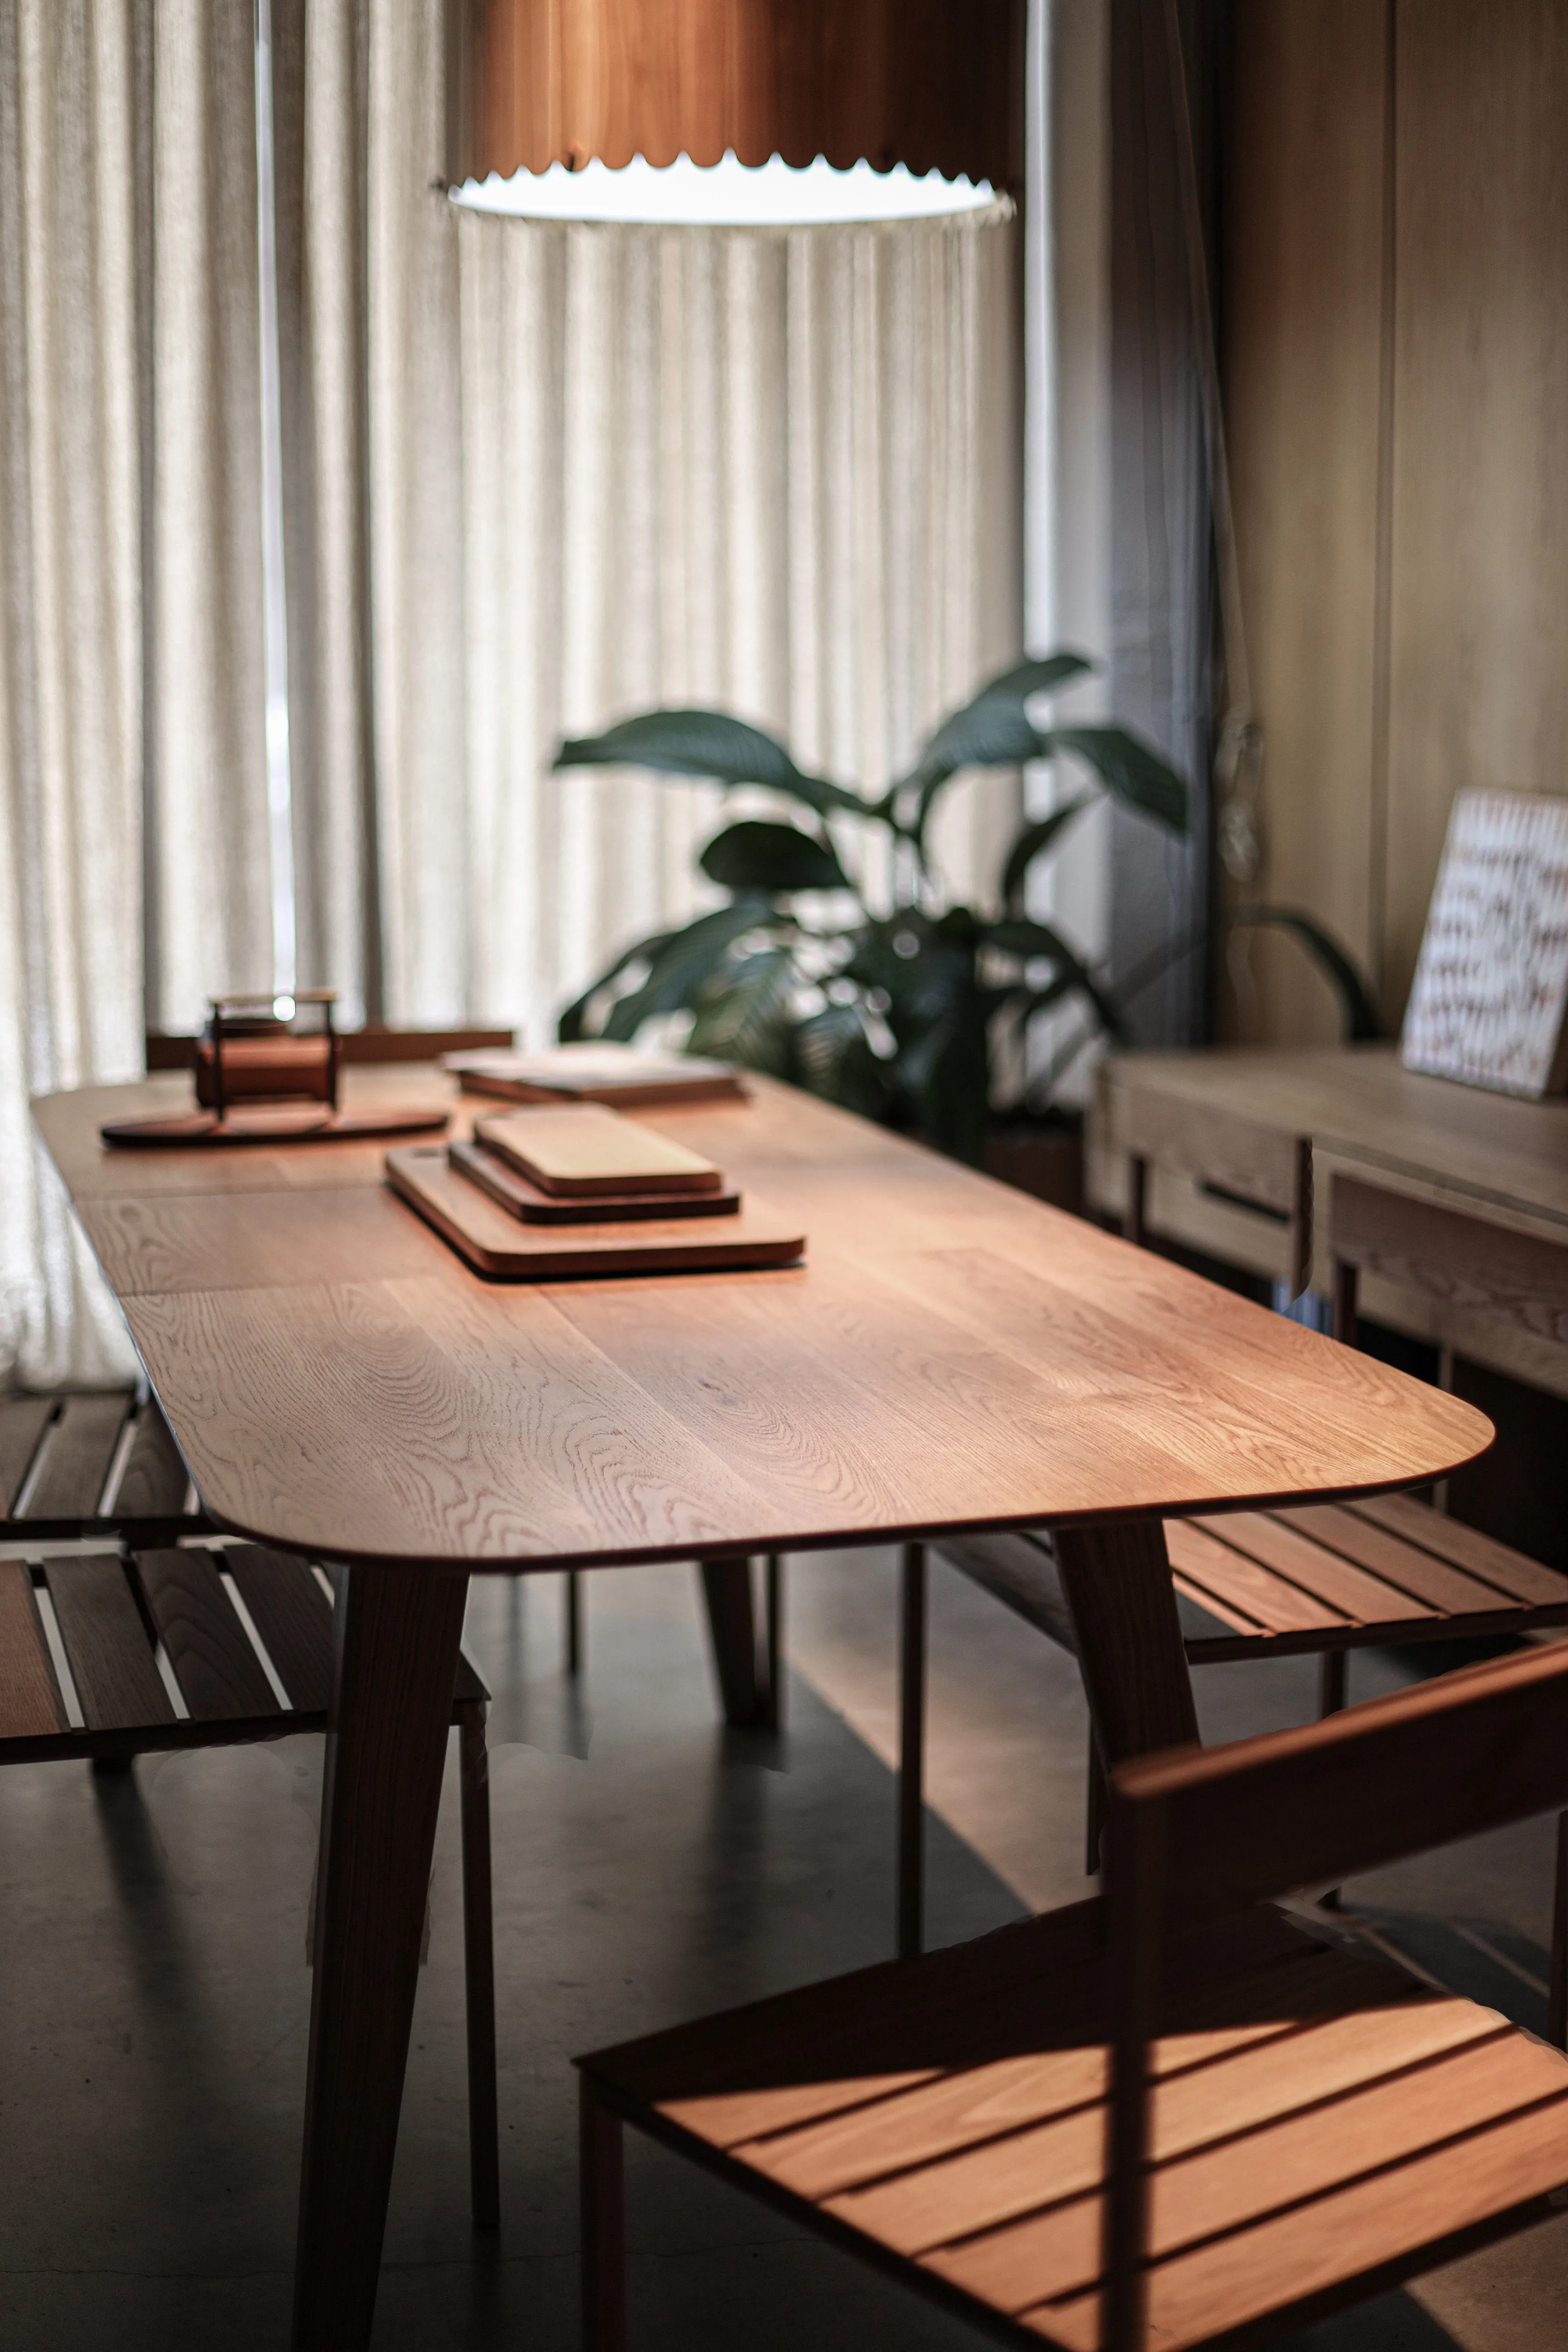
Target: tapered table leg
x,y
732,1623
397,1634
1117,1581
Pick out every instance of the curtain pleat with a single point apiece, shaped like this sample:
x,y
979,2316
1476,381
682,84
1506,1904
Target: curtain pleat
x,y
320,119
209,903
70,645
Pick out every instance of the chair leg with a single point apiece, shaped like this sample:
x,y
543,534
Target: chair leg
x,y
479,1971
1557,2000
1094,1809
573,1623
773,1635
1331,1675
1331,1669
912,1753
604,2224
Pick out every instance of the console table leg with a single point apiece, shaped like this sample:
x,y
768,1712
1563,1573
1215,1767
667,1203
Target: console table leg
x,y
397,1636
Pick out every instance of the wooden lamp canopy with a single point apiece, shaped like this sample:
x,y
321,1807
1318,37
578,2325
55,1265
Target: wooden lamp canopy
x,y
935,85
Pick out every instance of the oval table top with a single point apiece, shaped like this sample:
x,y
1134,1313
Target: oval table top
x,y
951,1355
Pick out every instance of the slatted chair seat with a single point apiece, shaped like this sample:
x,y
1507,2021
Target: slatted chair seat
x,y
952,2114
1176,2118
94,1463
244,1635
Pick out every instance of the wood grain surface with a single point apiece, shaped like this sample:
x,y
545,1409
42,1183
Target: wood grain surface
x,y
954,1356
506,1249
1356,1101
524,1199
583,1149
1312,2116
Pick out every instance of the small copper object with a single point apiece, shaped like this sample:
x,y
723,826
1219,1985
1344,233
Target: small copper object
x,y
250,1052
261,1080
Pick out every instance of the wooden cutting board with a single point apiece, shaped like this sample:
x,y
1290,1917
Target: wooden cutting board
x,y
574,1151
498,1245
502,1182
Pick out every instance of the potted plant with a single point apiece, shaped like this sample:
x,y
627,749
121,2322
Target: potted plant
x,y
903,1014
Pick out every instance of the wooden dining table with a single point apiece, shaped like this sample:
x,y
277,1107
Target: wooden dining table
x,y
951,1356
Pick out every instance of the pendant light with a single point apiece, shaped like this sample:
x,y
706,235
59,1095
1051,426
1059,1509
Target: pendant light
x,y
734,110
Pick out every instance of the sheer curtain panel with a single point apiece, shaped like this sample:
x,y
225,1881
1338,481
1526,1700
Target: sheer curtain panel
x,y
70,643
134,873
612,468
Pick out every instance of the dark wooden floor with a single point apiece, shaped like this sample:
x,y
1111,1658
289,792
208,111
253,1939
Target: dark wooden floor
x,y
154,1995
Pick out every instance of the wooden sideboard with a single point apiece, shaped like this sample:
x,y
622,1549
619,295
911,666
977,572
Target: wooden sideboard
x,y
1235,1153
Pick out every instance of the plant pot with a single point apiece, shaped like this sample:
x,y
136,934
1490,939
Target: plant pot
x,y
1042,1156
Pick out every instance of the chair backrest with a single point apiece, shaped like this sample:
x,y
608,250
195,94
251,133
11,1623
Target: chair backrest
x,y
1393,1777
1198,1830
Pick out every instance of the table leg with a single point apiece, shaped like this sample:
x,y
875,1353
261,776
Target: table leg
x,y
397,1634
1117,1581
732,1623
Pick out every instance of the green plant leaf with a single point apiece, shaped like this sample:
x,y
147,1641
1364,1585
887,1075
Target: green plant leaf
x,y
926,985
1021,1004
1128,768
991,730
835,1059
684,961
1016,936
1040,674
987,733
705,743
570,1026
1030,843
948,1073
1363,1026
757,855
742,1011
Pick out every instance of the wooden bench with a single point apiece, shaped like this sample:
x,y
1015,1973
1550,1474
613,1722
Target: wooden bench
x,y
1172,2119
94,1463
110,1657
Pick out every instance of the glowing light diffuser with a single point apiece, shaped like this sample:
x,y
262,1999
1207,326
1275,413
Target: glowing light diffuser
x,y
726,195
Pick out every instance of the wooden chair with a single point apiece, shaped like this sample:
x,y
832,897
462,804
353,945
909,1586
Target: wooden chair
x,y
1174,2118
109,1656
93,1464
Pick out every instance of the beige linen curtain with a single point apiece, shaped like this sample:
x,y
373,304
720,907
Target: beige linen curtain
x,y
132,801
612,468
534,476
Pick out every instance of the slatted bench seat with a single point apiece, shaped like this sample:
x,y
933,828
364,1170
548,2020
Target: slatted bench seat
x,y
92,1464
1322,1580
109,1656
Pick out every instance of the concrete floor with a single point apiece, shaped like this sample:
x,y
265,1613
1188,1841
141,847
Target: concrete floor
x,y
155,1995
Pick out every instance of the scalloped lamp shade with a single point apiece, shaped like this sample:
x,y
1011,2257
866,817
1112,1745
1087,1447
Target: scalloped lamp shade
x,y
936,85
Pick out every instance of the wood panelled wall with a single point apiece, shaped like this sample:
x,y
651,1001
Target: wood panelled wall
x,y
1395,366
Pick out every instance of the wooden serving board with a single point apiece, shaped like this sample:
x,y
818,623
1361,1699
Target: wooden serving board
x,y
503,1183
576,1151
266,1123
499,1245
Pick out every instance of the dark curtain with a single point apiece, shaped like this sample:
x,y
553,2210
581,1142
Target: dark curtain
x,y
1161,562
